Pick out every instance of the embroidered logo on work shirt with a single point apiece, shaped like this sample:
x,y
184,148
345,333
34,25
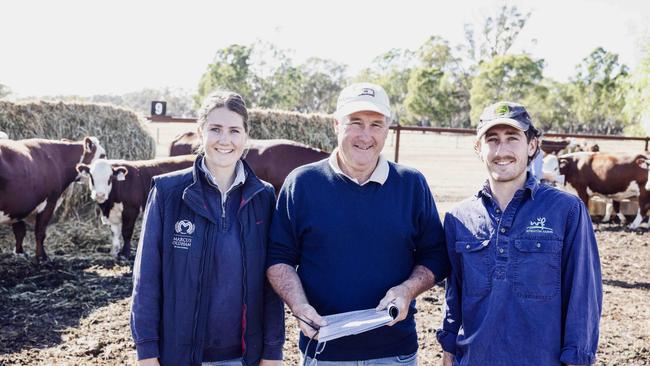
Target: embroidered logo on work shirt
x,y
539,226
183,237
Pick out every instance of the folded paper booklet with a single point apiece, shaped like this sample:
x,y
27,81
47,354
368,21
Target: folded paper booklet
x,y
355,322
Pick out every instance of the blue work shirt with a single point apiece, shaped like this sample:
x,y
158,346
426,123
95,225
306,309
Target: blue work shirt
x,y
525,287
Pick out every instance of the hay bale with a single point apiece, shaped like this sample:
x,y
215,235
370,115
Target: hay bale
x,y
311,129
120,131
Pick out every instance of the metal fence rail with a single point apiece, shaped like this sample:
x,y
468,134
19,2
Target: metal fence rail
x,y
458,131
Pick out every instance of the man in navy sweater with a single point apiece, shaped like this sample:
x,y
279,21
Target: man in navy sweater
x,y
353,232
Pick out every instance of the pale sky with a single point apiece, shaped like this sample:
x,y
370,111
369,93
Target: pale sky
x,y
100,47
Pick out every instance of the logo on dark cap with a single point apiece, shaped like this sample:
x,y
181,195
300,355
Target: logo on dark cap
x,y
502,109
367,91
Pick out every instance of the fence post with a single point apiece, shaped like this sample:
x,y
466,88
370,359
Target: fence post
x,y
397,131
646,142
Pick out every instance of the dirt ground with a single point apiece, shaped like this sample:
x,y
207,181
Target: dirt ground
x,y
74,309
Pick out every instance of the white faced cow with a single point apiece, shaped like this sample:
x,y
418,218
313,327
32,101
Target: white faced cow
x,y
121,188
614,176
33,175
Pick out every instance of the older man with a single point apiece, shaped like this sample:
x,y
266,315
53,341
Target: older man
x,y
525,286
362,233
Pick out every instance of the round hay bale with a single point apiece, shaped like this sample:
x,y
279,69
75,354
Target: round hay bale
x,y
120,131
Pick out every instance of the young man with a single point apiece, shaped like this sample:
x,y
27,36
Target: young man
x,y
525,286
362,232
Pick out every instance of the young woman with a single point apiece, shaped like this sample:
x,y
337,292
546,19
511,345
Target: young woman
x,y
200,295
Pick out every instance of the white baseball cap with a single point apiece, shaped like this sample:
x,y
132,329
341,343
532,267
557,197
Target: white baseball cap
x,y
362,97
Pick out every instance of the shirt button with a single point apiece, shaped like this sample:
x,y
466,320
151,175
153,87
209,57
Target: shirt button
x,y
538,244
467,246
500,250
498,219
498,211
503,230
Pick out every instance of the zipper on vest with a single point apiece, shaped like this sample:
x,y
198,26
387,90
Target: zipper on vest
x,y
244,273
200,284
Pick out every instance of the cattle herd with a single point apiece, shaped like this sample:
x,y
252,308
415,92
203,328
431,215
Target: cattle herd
x,y
34,173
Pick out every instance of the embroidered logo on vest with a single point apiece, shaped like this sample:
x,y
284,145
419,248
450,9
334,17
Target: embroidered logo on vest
x,y
183,237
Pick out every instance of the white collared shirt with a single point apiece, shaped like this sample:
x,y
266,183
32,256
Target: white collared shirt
x,y
379,175
240,178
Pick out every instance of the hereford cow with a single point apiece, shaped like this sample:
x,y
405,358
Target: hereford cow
x,y
121,188
33,175
271,160
611,175
184,144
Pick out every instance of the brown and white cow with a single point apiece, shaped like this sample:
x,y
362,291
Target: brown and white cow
x,y
271,160
615,176
121,188
184,144
33,175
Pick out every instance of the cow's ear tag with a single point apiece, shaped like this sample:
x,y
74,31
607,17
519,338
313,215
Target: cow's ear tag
x,y
121,177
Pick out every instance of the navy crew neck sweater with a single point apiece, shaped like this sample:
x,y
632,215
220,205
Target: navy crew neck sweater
x,y
352,243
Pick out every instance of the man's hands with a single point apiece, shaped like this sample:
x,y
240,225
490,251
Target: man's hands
x,y
401,297
307,313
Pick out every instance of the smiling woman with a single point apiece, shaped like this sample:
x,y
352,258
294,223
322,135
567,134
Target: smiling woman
x,y
208,303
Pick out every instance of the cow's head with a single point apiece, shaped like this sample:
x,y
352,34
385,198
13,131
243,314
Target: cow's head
x,y
644,163
102,173
93,150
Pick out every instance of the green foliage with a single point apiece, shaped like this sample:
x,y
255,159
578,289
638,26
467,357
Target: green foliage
x,y
267,78
229,70
511,77
637,98
599,89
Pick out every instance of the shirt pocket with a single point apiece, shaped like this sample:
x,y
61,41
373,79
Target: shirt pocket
x,y
537,268
476,267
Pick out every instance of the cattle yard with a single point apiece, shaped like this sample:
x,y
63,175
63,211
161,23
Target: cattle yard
x,y
73,310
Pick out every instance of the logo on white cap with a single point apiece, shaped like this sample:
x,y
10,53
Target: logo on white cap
x,y
360,97
367,91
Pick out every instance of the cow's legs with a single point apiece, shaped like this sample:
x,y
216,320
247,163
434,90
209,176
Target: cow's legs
x,y
115,230
582,193
19,232
609,207
637,220
40,228
619,214
129,217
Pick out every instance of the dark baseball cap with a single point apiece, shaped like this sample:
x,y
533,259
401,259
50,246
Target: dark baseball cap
x,y
503,113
